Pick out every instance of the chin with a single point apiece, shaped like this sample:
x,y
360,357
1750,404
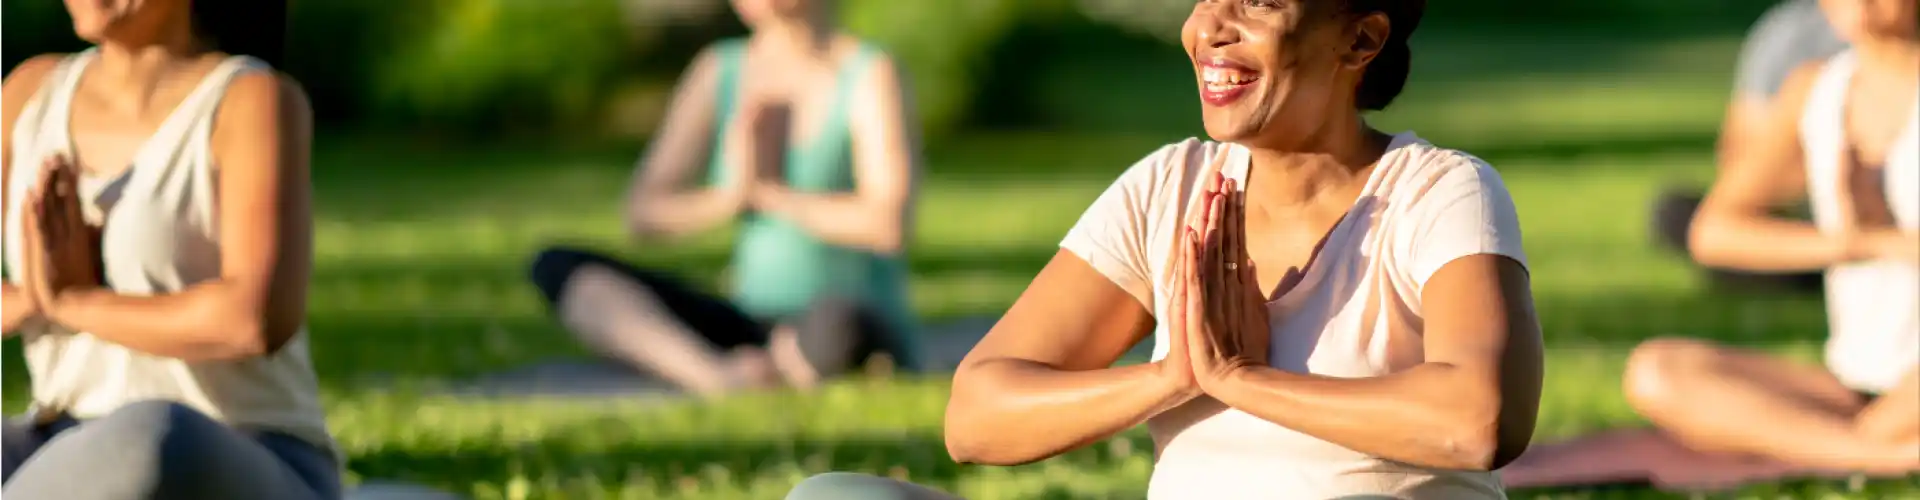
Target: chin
x,y
90,33
1224,128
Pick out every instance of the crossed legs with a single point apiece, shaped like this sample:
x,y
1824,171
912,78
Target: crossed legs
x,y
1721,399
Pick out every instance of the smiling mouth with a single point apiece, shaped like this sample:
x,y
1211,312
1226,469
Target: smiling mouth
x,y
1222,78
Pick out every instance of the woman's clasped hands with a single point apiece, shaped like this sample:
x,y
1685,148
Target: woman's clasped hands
x,y
1217,315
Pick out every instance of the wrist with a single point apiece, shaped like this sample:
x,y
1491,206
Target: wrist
x,y
59,305
1174,381
1222,383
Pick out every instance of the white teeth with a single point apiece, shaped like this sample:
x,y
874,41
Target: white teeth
x,y
1221,76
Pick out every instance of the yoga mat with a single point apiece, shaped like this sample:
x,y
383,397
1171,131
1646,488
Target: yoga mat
x,y
1644,457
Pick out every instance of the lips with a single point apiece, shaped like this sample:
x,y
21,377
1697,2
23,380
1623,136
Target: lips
x,y
1223,81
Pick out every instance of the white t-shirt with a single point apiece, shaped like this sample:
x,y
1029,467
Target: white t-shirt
x,y
1355,314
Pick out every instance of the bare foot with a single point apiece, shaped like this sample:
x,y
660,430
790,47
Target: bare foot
x,y
784,348
751,368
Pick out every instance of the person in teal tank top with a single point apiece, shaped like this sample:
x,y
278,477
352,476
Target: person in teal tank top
x,y
807,143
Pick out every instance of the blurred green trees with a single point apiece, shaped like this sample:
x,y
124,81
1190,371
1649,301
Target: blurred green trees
x,y
601,67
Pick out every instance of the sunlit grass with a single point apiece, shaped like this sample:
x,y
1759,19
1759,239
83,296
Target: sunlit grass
x,y
421,256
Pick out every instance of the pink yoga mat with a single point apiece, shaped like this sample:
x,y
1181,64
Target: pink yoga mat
x,y
1643,456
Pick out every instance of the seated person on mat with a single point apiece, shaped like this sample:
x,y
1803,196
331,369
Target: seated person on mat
x,y
1846,138
1337,312
818,277
158,242
1789,35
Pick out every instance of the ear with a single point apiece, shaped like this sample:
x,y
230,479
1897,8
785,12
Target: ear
x,y
1368,36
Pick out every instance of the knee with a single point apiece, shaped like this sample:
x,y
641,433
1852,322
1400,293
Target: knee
x,y
1658,370
553,265
154,440
849,486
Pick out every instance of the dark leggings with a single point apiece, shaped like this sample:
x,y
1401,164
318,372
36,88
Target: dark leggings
x,y
160,450
1673,219
833,328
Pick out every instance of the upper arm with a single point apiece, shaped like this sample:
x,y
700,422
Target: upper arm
x,y
262,144
1476,299
1071,317
1767,170
1092,302
681,147
19,87
885,139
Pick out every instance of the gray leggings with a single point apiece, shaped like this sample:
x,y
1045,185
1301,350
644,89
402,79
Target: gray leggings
x,y
855,486
160,450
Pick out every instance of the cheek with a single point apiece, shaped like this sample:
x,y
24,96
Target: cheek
x,y
1190,33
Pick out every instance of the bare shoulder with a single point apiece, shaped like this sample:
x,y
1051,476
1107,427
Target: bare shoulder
x,y
705,67
1795,90
24,81
262,109
266,92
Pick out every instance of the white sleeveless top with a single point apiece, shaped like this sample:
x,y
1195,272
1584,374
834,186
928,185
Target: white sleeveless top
x,y
161,236
1873,308
1357,313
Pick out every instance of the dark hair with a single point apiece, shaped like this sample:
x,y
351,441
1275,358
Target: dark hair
x,y
1387,74
256,28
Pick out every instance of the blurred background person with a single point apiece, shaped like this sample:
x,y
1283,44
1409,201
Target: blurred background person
x,y
1843,135
1845,138
158,241
806,138
1788,36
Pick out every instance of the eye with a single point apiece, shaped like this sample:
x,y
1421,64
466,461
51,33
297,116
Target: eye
x,y
1262,4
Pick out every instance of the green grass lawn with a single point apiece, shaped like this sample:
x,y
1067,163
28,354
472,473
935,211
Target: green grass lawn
x,y
421,254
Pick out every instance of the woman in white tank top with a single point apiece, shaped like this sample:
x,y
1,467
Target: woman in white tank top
x,y
1848,142
157,242
1337,312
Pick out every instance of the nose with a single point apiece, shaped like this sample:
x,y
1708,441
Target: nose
x,y
1218,27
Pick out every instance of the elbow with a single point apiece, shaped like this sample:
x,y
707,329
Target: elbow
x,y
1705,241
1483,444
976,447
1470,450
256,338
973,437
888,242
967,442
965,445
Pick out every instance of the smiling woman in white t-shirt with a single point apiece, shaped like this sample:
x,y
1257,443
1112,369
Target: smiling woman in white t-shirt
x,y
1390,348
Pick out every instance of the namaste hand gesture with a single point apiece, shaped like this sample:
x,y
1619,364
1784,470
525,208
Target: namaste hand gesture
x,y
757,147
1218,321
62,250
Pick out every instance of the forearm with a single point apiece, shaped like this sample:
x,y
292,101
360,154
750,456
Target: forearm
x,y
206,322
678,213
1012,412
16,311
840,219
1432,415
1767,245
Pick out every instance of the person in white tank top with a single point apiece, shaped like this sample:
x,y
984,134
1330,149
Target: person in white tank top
x,y
1848,142
1337,312
158,234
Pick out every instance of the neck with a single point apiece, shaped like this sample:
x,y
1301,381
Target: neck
x,y
138,68
806,37
1329,164
1890,57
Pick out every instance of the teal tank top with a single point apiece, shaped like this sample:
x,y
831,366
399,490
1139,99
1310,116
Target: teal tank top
x,y
778,269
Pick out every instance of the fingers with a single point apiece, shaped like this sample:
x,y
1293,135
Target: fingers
x,y
1195,324
1214,166
1212,262
1207,180
1232,239
1177,303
